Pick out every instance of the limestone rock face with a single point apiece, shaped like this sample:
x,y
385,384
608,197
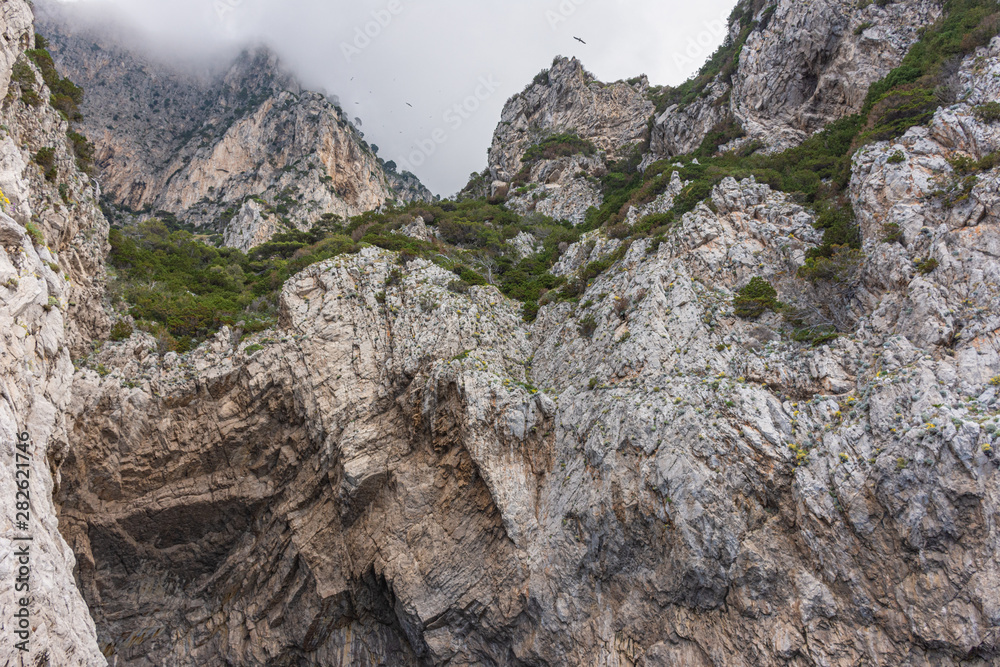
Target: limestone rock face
x,y
362,488
200,145
568,99
565,99
804,65
401,472
814,62
562,189
51,283
371,471
420,477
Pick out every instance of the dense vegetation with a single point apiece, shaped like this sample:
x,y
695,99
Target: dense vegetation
x,y
182,289
66,96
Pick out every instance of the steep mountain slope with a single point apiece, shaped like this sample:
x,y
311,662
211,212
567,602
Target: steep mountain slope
x,y
788,68
606,120
640,477
748,427
52,246
246,151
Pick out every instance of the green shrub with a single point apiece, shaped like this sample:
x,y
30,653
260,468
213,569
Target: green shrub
x,y
64,194
927,265
46,159
83,150
892,233
556,146
24,76
896,158
753,300
394,278
588,326
37,237
817,335
121,330
989,112
840,267
956,189
66,96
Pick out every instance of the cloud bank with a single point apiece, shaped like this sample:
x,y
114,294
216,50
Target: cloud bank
x,y
417,71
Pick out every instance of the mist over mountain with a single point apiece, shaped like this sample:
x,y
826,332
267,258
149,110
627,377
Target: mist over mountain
x,y
428,55
704,374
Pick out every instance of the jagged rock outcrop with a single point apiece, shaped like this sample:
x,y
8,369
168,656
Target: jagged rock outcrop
x,y
404,472
563,188
640,478
566,99
803,65
52,239
362,488
203,146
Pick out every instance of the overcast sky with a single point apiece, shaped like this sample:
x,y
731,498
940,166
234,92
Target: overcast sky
x,y
380,55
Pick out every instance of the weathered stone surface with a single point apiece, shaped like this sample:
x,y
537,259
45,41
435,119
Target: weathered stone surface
x,y
804,65
399,474
568,99
563,189
685,485
50,302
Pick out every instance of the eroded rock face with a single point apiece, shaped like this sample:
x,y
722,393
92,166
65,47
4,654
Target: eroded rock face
x,y
569,99
563,189
201,145
51,287
804,65
364,486
565,99
399,474
641,478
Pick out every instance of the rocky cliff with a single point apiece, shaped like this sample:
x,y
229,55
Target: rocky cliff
x,y
403,471
798,66
206,147
565,100
419,477
52,246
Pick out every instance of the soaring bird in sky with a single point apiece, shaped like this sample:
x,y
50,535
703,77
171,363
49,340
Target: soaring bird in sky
x,y
409,105
579,40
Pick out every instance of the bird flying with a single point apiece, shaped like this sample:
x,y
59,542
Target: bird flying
x,y
579,40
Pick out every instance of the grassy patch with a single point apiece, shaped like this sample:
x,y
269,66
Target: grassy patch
x,y
560,145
